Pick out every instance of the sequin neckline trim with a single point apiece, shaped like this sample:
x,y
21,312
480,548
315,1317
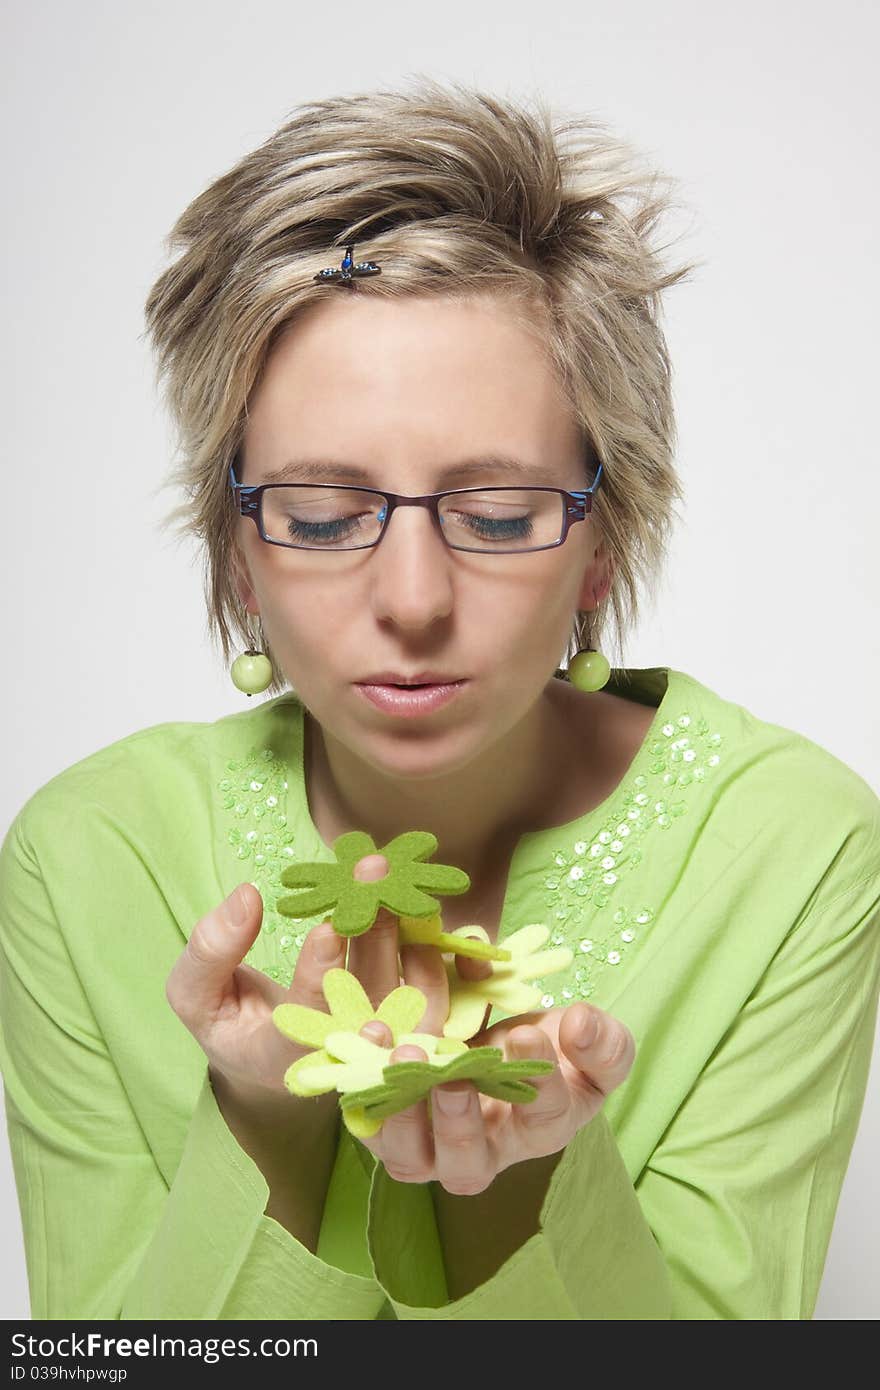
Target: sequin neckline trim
x,y
568,874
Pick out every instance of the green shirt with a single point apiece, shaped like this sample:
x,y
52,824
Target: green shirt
x,y
723,902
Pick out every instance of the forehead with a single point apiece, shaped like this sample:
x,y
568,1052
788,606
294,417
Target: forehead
x,y
433,323
455,374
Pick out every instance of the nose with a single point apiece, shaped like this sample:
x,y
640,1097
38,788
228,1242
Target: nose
x,y
411,570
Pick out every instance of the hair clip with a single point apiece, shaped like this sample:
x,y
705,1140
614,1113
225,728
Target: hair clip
x,y
347,270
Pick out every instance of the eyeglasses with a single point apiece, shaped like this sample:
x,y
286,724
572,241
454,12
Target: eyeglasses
x,y
334,517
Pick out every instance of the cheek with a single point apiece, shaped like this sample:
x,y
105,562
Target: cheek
x,y
543,596
318,631
305,621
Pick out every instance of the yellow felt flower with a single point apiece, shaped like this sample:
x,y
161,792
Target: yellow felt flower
x,y
428,931
350,1009
371,1086
507,986
357,1064
342,1059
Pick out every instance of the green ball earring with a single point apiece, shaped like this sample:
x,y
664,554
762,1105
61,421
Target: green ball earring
x,y
252,671
589,670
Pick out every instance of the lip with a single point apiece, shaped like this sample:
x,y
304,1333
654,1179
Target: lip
x,y
407,704
415,678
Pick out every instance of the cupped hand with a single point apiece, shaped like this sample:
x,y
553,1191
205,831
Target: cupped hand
x,y
228,1006
464,1139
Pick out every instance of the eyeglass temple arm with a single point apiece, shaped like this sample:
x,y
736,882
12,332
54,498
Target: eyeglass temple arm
x,y
247,503
589,491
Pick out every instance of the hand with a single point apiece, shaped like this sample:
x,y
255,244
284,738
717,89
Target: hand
x,y
463,1147
227,1005
374,958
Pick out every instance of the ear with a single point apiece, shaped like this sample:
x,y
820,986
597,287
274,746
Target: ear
x,y
597,580
242,582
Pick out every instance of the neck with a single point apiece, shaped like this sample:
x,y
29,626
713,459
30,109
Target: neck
x,y
512,786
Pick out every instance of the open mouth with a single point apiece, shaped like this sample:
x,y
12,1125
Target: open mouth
x,y
424,685
411,699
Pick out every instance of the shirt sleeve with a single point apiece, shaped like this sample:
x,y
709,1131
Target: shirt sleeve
x,y
732,1214
593,1257
742,1191
105,1236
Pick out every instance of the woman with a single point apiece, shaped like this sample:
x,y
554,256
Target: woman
x,y
716,877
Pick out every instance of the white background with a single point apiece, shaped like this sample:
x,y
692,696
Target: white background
x,y
116,115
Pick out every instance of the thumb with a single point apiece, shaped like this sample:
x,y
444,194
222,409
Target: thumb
x,y
202,975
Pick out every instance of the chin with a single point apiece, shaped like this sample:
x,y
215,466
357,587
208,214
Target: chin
x,y
410,755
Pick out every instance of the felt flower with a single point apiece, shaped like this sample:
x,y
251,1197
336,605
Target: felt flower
x,y
507,986
322,886
358,1068
350,1009
429,931
405,1083
358,1065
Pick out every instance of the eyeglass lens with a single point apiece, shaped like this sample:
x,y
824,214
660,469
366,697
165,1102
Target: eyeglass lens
x,y
319,518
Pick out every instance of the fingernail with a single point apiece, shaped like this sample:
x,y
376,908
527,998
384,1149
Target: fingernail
x,y
236,908
376,1031
371,868
588,1027
452,1102
328,947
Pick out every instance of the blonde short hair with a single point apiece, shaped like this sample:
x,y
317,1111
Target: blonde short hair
x,y
456,193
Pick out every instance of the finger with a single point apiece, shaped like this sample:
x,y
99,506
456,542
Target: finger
x,y
424,969
542,1124
201,978
469,968
599,1045
323,949
463,1161
372,957
377,1032
406,1148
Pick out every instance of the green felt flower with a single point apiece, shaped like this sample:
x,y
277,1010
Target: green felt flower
x,y
321,886
507,986
405,1083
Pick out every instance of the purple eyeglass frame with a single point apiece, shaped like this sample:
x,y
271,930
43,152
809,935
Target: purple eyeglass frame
x,y
576,507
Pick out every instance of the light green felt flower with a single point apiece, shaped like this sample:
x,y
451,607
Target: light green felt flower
x,y
356,1063
360,1070
507,986
350,1009
321,886
428,931
405,1083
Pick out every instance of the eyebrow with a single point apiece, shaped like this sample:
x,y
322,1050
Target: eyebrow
x,y
330,470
